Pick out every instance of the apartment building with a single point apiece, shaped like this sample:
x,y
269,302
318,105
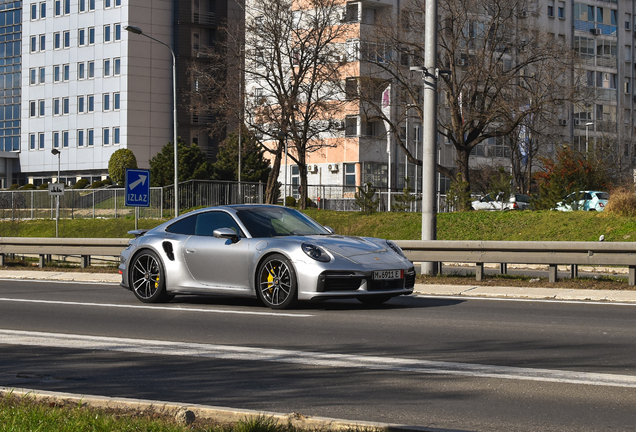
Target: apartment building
x,y
74,80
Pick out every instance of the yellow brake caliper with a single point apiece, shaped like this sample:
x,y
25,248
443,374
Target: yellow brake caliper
x,y
270,280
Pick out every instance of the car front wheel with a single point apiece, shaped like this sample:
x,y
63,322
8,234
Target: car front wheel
x,y
147,278
277,282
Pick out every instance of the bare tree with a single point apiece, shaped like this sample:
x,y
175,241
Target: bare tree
x,y
499,75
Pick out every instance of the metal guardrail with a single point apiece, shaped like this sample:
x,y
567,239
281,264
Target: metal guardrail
x,y
84,247
477,252
524,252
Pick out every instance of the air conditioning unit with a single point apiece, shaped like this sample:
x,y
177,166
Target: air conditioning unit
x,y
341,58
332,168
312,169
523,14
461,62
563,122
634,98
595,31
343,16
578,122
339,124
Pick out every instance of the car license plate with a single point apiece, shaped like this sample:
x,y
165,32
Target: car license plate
x,y
388,274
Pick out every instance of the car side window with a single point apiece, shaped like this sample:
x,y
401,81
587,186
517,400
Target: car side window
x,y
184,226
587,196
209,221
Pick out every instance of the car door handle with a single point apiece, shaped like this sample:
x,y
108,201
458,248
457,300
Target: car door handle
x,y
191,250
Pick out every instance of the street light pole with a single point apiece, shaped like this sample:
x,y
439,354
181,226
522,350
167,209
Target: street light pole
x,y
587,137
56,152
137,30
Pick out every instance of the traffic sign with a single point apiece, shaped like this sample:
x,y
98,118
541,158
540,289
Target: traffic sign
x,y
137,188
56,189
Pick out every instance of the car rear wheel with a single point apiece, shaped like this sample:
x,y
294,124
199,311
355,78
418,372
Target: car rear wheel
x,y
147,278
374,300
277,282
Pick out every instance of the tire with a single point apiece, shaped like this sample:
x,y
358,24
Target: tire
x,y
374,300
276,282
147,278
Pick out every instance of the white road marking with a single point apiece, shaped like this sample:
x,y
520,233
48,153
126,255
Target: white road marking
x,y
155,347
512,299
162,308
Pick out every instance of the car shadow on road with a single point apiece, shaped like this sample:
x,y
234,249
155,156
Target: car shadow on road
x,y
402,302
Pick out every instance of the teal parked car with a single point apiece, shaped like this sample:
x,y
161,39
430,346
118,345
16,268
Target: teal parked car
x,y
584,200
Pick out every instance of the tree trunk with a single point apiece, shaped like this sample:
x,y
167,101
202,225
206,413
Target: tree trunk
x,y
462,159
272,180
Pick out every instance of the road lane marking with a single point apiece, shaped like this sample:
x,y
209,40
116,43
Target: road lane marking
x,y
155,347
527,299
168,308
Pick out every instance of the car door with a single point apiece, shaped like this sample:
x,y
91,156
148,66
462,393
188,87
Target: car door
x,y
217,262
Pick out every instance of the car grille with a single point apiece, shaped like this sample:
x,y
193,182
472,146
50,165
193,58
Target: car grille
x,y
348,281
385,285
409,278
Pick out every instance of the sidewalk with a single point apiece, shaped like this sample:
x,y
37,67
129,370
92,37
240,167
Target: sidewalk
x,y
627,296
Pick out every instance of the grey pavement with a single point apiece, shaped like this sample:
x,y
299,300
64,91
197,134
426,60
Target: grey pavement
x,y
617,296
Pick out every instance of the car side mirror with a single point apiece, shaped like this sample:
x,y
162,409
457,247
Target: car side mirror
x,y
330,230
226,233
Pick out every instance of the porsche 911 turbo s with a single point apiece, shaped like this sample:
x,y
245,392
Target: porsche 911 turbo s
x,y
274,253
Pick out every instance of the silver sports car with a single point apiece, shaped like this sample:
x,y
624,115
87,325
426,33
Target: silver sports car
x,y
275,253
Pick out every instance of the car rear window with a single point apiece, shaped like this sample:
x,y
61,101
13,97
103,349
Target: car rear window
x,y
602,195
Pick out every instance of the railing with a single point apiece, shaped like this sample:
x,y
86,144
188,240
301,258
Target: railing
x,y
524,252
477,252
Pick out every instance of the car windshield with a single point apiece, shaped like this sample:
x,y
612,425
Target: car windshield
x,y
278,221
602,195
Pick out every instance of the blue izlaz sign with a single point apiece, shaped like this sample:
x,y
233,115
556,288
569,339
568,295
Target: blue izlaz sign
x,y
137,188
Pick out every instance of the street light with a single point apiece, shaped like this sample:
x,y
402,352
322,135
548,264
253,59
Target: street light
x,y
137,30
587,136
56,152
282,135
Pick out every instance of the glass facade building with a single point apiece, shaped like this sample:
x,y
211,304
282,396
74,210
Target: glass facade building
x,y
10,72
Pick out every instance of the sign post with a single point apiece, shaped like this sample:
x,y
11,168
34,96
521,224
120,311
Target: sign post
x,y
137,190
56,190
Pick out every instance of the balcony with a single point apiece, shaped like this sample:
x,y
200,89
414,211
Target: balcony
x,y
204,18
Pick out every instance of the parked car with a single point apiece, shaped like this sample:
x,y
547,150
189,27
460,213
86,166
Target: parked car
x,y
274,253
584,200
514,202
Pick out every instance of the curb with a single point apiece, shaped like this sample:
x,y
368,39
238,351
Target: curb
x,y
220,414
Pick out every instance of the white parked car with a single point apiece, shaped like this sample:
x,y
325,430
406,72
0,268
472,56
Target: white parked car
x,y
584,200
514,202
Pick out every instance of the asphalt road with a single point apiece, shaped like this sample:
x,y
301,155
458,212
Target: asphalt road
x,y
462,365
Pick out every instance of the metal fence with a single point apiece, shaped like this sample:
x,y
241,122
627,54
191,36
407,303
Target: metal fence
x,y
110,202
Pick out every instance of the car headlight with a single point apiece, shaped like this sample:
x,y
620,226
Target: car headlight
x,y
395,248
315,252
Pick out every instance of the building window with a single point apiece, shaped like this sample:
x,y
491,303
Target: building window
x,y
80,138
116,101
551,8
81,37
82,5
42,42
43,10
42,75
117,66
117,2
57,77
107,33
65,106
33,76
67,39
34,43
91,36
58,7
91,103
91,5
350,175
32,109
65,138
107,67
81,70
117,32
80,104
106,104
351,126
56,139
91,69
34,12
41,108
90,137
561,10
67,72
41,140
57,40
107,3
56,106
115,136
106,136
32,141
67,7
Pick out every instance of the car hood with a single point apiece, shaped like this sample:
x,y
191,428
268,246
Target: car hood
x,y
349,246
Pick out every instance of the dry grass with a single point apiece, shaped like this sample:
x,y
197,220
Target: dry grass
x,y
622,202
